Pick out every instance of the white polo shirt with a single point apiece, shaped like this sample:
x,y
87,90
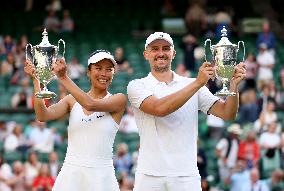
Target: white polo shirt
x,y
168,145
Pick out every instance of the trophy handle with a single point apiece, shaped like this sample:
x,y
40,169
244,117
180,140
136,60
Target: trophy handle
x,y
60,40
27,46
205,43
242,42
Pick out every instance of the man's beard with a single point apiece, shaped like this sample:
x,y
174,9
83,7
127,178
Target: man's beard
x,y
163,68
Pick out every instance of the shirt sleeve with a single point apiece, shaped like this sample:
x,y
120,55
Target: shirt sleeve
x,y
221,144
137,92
206,99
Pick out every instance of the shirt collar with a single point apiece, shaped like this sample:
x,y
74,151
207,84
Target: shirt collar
x,y
152,79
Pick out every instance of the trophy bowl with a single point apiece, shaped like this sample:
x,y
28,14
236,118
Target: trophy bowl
x,y
225,59
43,56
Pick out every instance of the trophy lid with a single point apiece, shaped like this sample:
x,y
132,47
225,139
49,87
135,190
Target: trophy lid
x,y
224,40
44,41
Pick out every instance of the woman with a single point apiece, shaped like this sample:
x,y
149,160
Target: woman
x,y
93,123
249,150
44,181
31,166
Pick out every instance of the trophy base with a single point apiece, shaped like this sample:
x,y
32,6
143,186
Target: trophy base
x,y
45,95
225,93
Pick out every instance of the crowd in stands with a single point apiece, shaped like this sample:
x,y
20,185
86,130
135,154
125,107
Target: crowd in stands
x,y
250,151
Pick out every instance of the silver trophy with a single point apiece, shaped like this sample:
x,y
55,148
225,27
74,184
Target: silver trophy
x,y
43,56
225,59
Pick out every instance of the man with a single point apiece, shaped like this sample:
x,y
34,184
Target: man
x,y
227,151
254,183
166,110
238,176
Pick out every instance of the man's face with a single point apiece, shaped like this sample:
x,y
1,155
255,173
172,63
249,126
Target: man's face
x,y
160,54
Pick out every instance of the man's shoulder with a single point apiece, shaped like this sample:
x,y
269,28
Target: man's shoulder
x,y
137,81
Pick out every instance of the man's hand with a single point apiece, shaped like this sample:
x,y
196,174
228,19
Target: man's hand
x,y
206,72
239,74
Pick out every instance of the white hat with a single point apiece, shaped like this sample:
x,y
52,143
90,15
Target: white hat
x,y
100,55
235,128
157,36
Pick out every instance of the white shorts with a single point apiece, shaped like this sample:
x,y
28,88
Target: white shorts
x,y
145,182
75,178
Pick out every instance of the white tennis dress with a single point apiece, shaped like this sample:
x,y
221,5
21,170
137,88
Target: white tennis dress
x,y
88,164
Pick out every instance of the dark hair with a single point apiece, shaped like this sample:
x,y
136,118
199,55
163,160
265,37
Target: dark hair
x,y
271,100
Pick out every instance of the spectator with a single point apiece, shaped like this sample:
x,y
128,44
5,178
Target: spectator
x,y
51,22
43,182
222,19
227,151
251,69
122,159
67,24
249,150
9,45
254,184
196,19
19,56
16,141
168,9
55,5
248,112
53,164
181,70
28,128
265,62
42,138
18,180
32,167
216,127
267,37
279,97
121,60
266,117
270,142
272,89
75,70
22,43
5,174
188,45
21,100
276,181
238,176
134,160
8,66
127,123
264,97
3,131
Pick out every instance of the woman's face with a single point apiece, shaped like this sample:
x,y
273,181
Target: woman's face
x,y
101,74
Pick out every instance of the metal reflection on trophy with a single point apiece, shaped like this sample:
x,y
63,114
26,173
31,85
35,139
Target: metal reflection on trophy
x,y
225,59
43,56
